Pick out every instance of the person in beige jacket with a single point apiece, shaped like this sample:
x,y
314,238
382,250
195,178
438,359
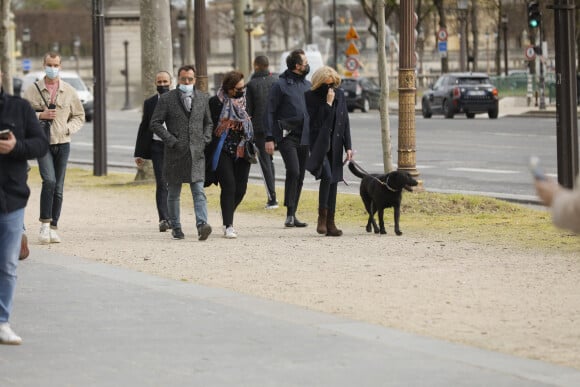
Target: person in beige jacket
x,y
564,204
56,101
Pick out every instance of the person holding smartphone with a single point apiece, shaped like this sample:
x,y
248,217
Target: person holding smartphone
x,y
57,101
20,139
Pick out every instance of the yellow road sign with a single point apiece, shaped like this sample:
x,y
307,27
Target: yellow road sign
x,y
351,34
352,50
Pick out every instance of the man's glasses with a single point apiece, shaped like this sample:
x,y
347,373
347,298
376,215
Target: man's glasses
x,y
186,79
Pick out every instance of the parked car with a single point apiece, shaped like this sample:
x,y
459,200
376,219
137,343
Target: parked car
x,y
73,79
361,93
453,93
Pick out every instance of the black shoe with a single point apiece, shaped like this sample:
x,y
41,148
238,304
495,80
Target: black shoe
x,y
203,230
176,233
164,226
298,223
289,221
271,205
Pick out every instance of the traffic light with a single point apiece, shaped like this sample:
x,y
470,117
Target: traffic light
x,y
534,14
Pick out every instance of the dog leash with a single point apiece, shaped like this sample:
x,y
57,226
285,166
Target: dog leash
x,y
385,183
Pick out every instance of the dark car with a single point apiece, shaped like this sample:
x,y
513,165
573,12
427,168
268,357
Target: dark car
x,y
453,93
361,93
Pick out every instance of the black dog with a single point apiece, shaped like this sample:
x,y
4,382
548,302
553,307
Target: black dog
x,y
382,191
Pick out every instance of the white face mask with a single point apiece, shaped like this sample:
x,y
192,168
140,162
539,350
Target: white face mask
x,y
187,89
51,72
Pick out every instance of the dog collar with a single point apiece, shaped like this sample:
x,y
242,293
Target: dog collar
x,y
388,187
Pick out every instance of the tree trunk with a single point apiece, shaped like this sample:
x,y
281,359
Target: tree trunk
x,y
5,46
156,55
384,82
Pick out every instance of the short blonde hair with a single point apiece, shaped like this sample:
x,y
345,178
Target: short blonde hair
x,y
322,74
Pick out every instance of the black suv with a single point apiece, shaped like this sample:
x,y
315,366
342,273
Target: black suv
x,y
469,93
361,93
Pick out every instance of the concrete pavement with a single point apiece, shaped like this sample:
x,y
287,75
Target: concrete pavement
x,y
91,324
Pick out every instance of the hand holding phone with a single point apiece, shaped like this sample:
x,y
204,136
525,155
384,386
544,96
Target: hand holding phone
x,y
534,165
5,134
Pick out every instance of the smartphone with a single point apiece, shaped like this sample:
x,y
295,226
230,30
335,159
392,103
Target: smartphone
x,y
534,165
52,106
4,134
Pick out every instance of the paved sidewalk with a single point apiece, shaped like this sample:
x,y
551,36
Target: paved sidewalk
x,y
91,324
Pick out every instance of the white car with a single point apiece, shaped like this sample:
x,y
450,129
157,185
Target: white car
x,y
73,79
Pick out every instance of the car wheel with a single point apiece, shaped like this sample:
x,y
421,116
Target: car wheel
x,y
366,106
470,115
448,109
493,113
88,118
426,108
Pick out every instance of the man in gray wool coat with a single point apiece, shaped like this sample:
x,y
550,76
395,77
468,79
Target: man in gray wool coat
x,y
183,121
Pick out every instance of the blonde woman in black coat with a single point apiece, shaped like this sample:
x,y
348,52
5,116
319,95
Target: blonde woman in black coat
x,y
329,136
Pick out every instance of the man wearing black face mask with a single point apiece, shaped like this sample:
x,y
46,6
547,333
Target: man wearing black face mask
x,y
286,123
150,147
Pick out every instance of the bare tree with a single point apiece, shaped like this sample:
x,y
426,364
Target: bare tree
x,y
156,53
289,13
6,58
379,8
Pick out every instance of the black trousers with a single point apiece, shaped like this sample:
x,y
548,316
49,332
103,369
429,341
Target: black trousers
x,y
267,166
232,175
294,156
160,184
328,190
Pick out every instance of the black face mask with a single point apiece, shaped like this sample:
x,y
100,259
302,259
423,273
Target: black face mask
x,y
162,89
238,94
323,89
306,70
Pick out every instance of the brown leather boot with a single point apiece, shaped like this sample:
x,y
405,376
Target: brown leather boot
x,y
321,228
331,229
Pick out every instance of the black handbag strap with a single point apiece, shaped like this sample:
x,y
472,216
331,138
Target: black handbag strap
x,y
40,92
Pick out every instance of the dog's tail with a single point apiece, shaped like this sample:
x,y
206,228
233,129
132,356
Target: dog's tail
x,y
356,169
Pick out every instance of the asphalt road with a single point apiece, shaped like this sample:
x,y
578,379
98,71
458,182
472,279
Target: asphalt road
x,y
459,155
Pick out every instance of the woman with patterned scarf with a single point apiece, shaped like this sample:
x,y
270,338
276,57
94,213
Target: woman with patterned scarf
x,y
232,128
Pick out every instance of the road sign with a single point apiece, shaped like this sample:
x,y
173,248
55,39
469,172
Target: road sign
x,y
442,35
351,34
351,63
442,46
352,50
26,64
530,52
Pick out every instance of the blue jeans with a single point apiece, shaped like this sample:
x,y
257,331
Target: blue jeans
x,y
11,225
52,167
199,203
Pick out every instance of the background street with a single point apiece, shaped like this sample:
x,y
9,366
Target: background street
x,y
477,155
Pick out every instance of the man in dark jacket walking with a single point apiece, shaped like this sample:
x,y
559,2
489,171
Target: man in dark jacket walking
x,y
287,124
149,146
257,91
21,139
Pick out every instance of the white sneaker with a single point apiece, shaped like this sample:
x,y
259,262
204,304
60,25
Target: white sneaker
x,y
230,233
54,238
7,335
44,235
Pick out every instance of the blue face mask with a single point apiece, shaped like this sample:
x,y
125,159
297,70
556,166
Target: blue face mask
x,y
51,72
187,89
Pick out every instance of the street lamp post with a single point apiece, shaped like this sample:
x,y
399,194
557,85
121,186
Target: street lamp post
x,y
504,24
462,6
181,26
76,51
125,72
487,35
248,16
